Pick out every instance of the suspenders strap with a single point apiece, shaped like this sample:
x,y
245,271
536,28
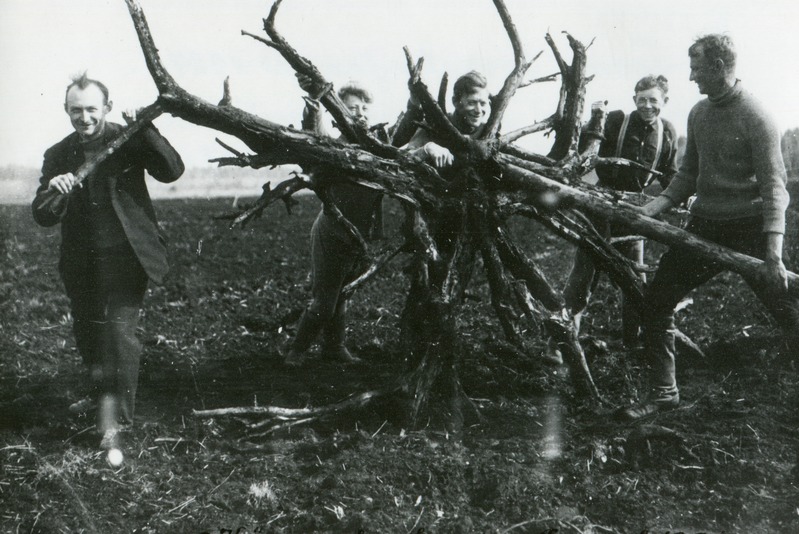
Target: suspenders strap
x,y
658,150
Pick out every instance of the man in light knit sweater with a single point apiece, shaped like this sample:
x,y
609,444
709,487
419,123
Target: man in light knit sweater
x,y
733,164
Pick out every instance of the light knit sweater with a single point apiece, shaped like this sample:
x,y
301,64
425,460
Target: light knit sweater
x,y
733,162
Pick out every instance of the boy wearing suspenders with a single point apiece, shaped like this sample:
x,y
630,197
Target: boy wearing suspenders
x,y
641,136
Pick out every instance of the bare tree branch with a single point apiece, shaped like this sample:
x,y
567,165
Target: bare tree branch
x,y
500,103
626,163
332,209
453,218
351,129
628,217
55,199
283,191
545,124
435,117
227,98
382,259
442,92
542,79
298,413
570,105
240,160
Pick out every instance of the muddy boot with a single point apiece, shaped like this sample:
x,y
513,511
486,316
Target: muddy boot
x,y
657,402
333,347
664,394
340,353
83,405
308,329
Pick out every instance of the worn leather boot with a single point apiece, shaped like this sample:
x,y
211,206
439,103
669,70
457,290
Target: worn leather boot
x,y
655,403
83,406
659,338
307,330
339,353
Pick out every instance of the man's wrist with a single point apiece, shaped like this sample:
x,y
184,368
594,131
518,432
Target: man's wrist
x,y
659,205
419,152
774,241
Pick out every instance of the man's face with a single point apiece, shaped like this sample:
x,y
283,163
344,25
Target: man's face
x,y
707,76
358,108
472,109
649,103
87,110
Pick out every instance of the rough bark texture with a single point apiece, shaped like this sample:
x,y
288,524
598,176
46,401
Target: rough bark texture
x,y
456,215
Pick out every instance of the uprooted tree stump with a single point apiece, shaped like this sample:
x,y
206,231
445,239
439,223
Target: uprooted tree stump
x,y
453,217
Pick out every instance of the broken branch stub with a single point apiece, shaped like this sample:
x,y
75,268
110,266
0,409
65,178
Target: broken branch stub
x,y
453,216
443,235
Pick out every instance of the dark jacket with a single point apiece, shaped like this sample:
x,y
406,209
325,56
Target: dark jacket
x,y
362,206
639,144
131,202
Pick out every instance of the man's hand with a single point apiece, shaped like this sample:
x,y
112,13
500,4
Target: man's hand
x,y
656,206
306,84
772,272
438,155
774,276
63,183
131,115
599,105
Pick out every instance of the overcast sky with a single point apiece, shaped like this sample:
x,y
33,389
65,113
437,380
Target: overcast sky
x,y
44,42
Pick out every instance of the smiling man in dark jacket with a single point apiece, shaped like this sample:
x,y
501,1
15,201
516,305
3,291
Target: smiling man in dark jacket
x,y
110,242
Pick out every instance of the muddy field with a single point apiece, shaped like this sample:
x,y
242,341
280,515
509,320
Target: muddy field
x,y
538,461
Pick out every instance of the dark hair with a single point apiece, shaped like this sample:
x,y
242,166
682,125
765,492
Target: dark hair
x,y
651,81
82,81
715,46
468,84
355,89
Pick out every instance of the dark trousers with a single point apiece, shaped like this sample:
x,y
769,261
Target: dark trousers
x,y
335,262
106,291
680,272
